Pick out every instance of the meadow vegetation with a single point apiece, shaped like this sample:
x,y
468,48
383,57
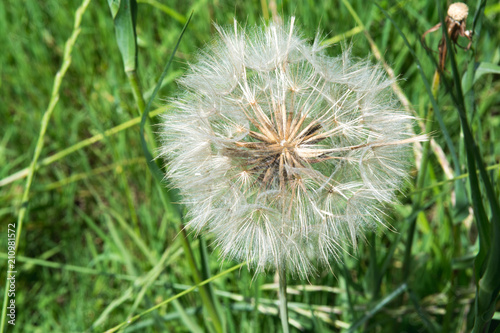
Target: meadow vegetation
x,y
101,238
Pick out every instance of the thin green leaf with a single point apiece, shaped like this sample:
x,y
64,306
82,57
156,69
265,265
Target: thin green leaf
x,y
480,69
379,306
124,13
167,10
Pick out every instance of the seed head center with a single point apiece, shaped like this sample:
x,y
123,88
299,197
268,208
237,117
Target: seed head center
x,y
278,146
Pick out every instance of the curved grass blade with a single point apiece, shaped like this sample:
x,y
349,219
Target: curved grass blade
x,y
379,306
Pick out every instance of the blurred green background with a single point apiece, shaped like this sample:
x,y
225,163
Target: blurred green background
x,y
100,242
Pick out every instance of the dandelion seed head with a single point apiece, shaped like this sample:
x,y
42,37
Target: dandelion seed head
x,y
285,154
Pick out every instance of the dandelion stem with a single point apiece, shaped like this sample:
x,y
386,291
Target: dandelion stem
x,y
282,298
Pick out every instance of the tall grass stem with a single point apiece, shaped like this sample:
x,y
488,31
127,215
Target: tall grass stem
x,y
54,98
417,201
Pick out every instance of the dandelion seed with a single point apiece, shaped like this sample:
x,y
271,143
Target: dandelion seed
x,y
285,154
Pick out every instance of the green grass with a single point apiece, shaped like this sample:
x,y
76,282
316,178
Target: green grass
x,y
100,240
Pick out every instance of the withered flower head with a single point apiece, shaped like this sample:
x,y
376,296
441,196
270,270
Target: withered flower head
x,y
285,154
458,11
455,27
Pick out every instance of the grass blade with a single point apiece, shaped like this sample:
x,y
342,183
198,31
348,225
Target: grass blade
x,y
379,306
187,291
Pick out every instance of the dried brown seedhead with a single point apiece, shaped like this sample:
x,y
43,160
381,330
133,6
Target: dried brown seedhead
x,y
455,27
